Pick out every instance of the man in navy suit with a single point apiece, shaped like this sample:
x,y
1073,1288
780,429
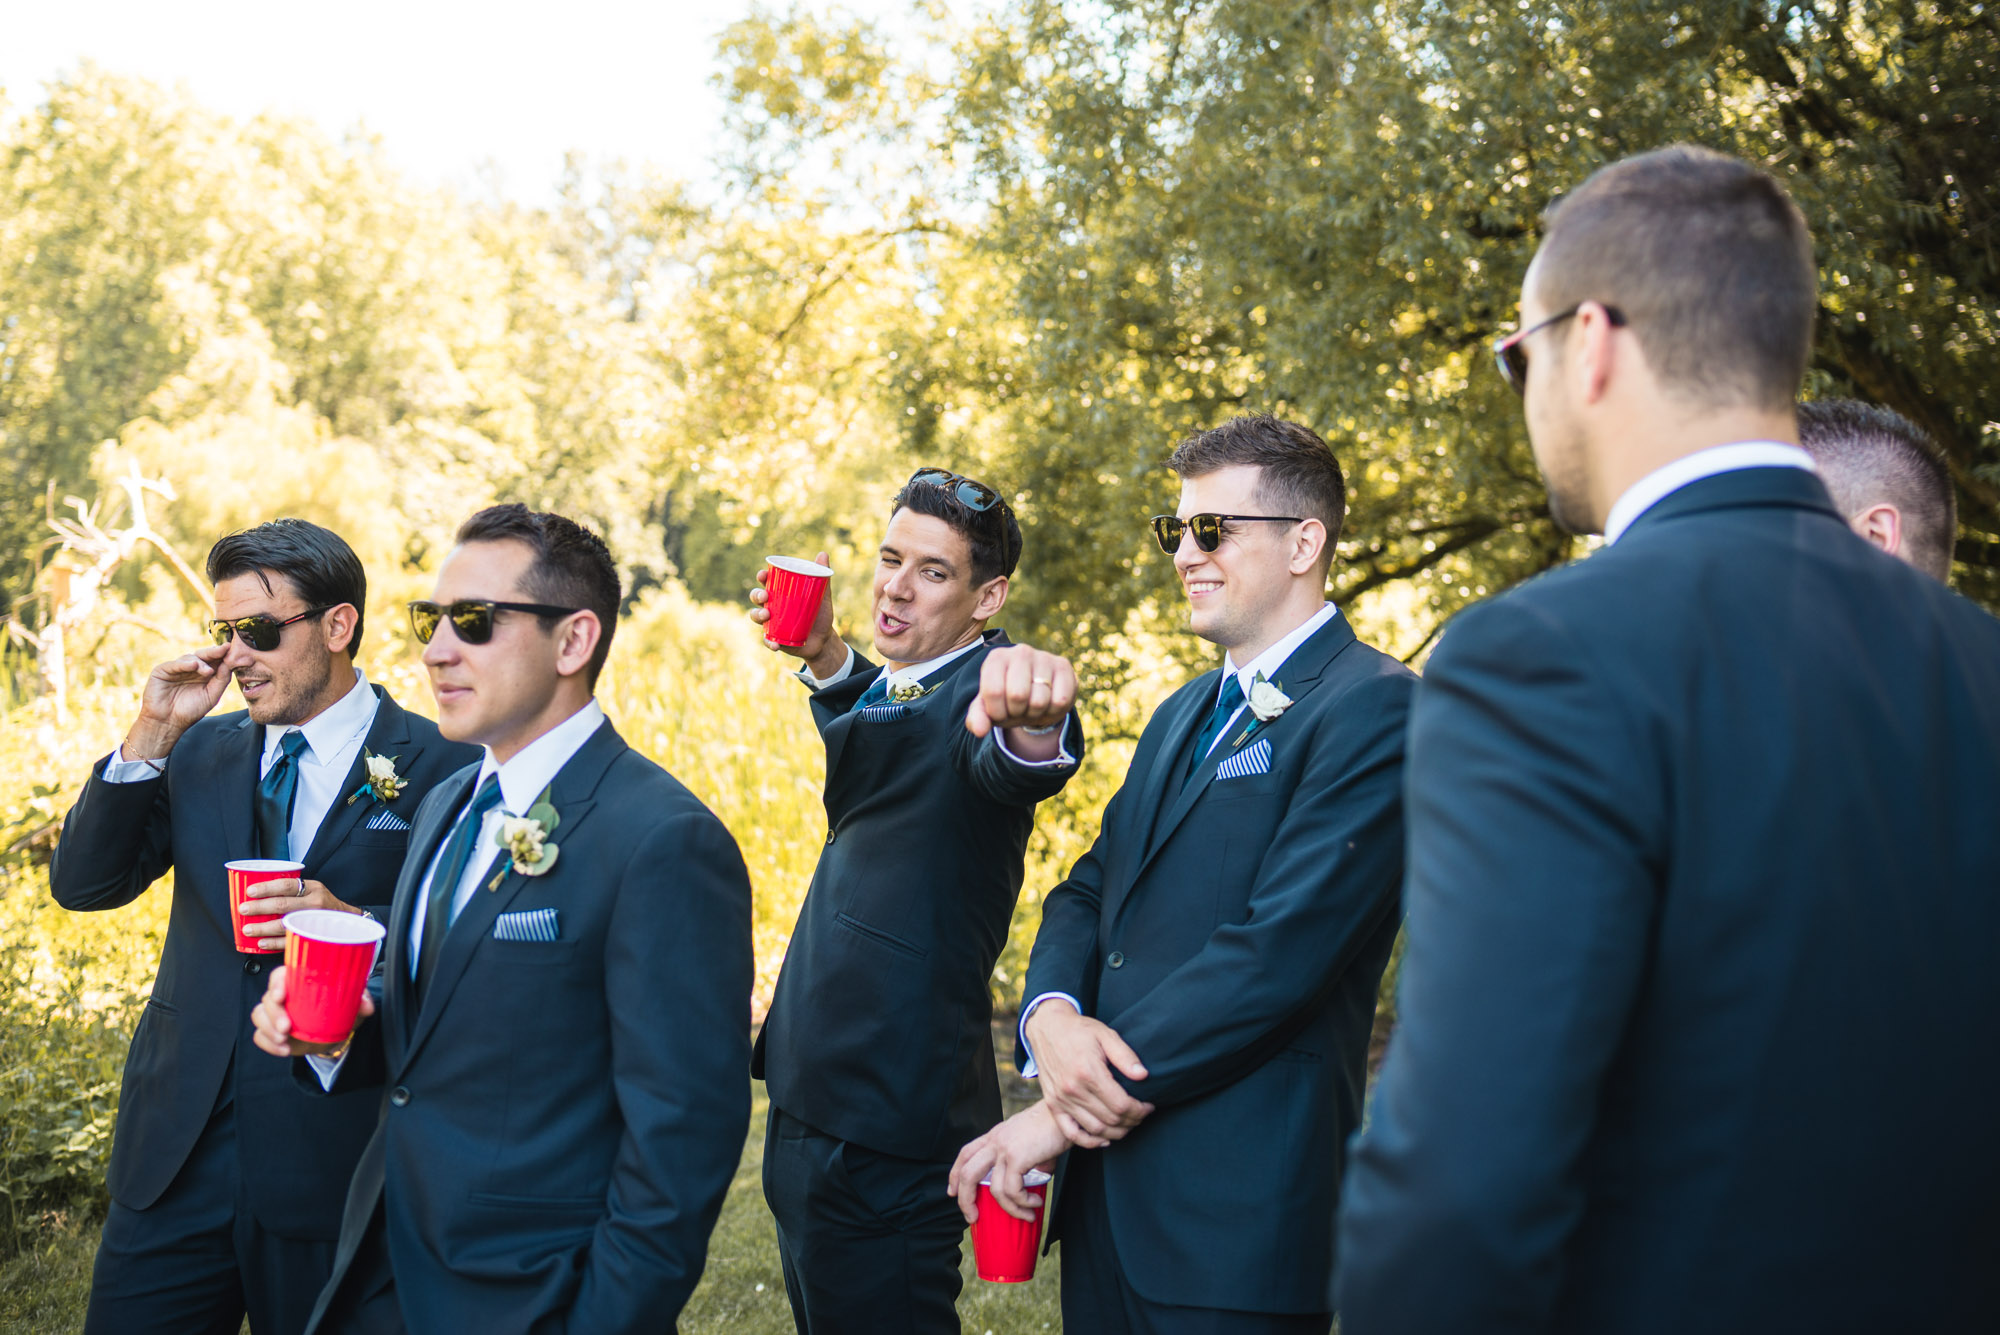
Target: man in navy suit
x,y
566,1025
226,1179
1699,1000
1203,984
878,1050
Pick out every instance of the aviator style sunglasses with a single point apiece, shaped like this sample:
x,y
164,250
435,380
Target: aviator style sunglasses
x,y
261,632
1510,351
972,495
471,618
1207,529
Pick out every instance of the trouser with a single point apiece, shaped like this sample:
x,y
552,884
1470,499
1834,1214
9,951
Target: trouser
x,y
869,1241
366,1301
1096,1298
197,1261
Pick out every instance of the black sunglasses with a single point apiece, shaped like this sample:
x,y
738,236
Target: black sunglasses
x,y
261,632
472,618
1510,351
972,495
1207,529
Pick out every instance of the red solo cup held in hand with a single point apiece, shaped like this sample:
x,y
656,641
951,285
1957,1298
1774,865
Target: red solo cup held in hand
x,y
1003,1247
243,875
328,957
792,594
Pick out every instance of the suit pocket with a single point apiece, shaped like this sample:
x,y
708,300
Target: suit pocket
x,y
574,1205
162,1007
528,952
876,934
386,839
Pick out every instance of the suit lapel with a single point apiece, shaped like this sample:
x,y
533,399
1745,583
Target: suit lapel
x,y
1300,675
237,785
388,735
1177,735
849,693
572,795
423,847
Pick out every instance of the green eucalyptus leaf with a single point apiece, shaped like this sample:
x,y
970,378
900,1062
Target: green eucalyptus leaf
x,y
545,816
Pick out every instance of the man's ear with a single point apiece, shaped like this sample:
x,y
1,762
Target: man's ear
x,y
1882,525
992,598
576,641
337,623
1597,350
1308,547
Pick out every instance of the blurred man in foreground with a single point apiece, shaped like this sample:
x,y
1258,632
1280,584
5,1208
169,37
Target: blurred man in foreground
x,y
1699,996
1886,477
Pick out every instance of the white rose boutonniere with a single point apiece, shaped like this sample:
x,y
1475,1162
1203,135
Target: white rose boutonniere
x,y
383,783
526,841
1267,699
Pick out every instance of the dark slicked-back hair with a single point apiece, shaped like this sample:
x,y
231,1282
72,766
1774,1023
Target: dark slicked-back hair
x,y
993,536
1300,474
317,562
1869,455
572,566
1708,260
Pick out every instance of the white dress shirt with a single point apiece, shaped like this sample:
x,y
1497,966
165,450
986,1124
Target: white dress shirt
x,y
913,674
333,739
1266,664
1662,482
522,779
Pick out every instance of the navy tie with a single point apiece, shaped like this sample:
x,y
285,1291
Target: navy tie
x,y
1225,709
451,869
276,795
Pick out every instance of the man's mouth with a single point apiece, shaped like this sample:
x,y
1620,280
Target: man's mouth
x,y
1201,588
447,693
252,687
890,626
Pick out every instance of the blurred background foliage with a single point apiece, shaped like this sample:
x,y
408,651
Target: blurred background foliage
x,y
1037,242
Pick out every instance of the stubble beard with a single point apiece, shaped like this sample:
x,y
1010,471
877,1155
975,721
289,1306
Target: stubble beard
x,y
293,696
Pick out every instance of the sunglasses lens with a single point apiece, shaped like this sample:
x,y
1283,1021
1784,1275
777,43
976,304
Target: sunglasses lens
x,y
260,633
220,631
1207,531
1167,531
1511,356
974,496
472,622
424,618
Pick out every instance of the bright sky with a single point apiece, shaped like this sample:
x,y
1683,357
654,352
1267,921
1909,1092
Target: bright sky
x,y
447,87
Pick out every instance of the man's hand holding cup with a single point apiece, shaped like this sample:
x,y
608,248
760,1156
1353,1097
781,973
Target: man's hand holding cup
x,y
265,904
273,1024
822,650
1028,693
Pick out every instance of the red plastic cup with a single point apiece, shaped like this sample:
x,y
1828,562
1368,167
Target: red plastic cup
x,y
328,956
243,875
1003,1247
792,594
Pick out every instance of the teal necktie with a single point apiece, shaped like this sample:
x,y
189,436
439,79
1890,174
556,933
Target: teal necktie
x,y
276,796
877,692
451,869
1218,718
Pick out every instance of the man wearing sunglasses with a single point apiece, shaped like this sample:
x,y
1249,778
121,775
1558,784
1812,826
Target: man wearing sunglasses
x,y
878,1050
1699,1001
1203,985
565,1026
226,1179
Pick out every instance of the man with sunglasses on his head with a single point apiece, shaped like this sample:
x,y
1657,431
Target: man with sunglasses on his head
x,y
227,1179
565,1018
878,1050
1203,985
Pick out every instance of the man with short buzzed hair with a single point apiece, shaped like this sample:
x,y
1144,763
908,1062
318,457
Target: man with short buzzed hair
x,y
1887,477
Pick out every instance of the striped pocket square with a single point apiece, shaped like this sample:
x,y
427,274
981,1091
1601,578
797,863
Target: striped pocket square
x,y
527,925
1253,760
888,713
386,819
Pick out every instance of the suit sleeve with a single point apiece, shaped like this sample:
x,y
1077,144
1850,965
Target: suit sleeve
x,y
116,841
1064,957
1328,880
998,777
1531,893
677,982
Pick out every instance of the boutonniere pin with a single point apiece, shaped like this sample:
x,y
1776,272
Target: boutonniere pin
x,y
526,840
1267,701
909,692
383,783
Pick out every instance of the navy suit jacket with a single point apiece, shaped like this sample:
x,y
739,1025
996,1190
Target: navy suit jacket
x,y
1700,1003
880,1031
1233,931
563,1116
296,1153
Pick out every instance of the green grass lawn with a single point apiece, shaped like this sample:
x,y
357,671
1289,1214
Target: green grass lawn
x,y
743,1292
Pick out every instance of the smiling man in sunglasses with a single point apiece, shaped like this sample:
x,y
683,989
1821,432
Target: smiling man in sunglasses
x,y
226,1179
1203,985
878,1049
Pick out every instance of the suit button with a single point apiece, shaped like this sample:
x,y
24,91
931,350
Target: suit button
x,y
399,1096
253,966
1117,959
829,836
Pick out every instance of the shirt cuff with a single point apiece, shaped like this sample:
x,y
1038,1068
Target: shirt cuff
x,y
840,674
326,1068
117,769
1030,1071
1061,758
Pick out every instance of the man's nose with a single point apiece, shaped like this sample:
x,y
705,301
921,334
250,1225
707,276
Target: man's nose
x,y
1188,554
443,645
238,656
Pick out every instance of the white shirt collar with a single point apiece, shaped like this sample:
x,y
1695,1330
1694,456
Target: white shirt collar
x,y
1662,482
1274,658
532,768
916,672
332,728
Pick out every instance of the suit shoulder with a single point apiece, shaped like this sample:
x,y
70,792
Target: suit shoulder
x,y
211,732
